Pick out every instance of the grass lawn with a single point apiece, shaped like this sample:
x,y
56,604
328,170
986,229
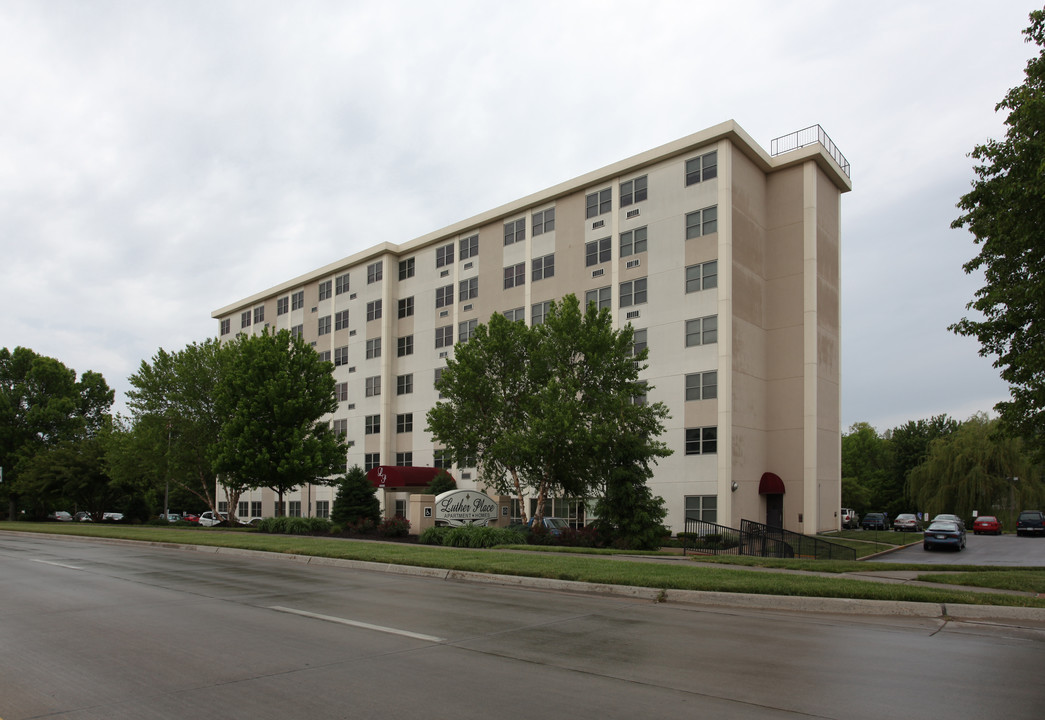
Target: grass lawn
x,y
585,567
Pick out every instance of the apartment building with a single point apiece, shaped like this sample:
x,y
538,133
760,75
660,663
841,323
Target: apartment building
x,y
722,256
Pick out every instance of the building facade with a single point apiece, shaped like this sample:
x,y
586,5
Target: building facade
x,y
724,258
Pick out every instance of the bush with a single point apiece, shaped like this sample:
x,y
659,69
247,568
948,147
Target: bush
x,y
480,536
434,535
442,482
394,527
294,526
356,501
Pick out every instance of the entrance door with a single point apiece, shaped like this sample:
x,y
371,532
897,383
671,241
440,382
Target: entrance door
x,y
775,510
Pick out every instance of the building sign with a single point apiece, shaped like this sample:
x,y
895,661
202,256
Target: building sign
x,y
464,507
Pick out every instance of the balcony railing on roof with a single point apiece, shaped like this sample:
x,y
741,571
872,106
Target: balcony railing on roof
x,y
809,136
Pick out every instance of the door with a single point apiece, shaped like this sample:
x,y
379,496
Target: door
x,y
775,510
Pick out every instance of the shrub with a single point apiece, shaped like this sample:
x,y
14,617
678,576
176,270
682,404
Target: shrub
x,y
442,482
434,535
284,525
356,500
480,536
397,526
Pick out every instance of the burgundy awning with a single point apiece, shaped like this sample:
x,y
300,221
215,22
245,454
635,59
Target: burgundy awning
x,y
770,484
391,476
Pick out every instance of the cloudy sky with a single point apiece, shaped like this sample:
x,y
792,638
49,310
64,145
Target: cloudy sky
x,y
159,160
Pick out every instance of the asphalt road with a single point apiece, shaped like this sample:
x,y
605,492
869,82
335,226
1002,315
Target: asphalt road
x,y
1006,550
95,630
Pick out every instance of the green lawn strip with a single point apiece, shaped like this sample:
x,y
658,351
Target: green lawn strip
x,y
1021,579
697,576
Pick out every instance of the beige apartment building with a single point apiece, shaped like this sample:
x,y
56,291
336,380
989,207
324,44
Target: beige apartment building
x,y
724,258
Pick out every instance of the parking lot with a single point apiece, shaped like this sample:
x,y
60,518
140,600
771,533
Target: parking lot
x,y
980,550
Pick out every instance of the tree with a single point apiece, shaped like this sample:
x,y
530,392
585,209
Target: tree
x,y
272,395
975,468
42,406
545,410
865,464
356,500
441,482
1006,215
909,447
176,424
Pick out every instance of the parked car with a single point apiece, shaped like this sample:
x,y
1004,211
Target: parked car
x,y
112,517
208,519
191,517
944,534
82,517
1030,522
875,521
849,518
950,518
171,517
60,516
906,522
986,524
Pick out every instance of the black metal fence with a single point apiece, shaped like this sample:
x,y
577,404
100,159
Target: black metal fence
x,y
809,136
759,540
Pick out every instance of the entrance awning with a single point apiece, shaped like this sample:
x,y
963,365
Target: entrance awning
x,y
770,484
392,476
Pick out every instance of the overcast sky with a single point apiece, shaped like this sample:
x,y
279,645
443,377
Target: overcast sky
x,y
159,160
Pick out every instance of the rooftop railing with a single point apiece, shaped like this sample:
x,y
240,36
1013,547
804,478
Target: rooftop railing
x,y
809,136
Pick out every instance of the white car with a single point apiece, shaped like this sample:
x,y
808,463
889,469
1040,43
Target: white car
x,y
208,519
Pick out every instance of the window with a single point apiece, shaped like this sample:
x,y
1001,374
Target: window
x,y
640,399
444,255
406,307
601,297
324,325
324,356
702,222
255,508
444,336
341,428
597,251
341,356
244,319
405,423
373,348
373,310
465,330
543,221
223,506
259,314
633,242
297,300
226,326
469,247
342,391
373,386
539,311
702,277
375,271
516,315
543,267
371,461
702,507
341,285
405,384
468,289
322,508
441,459
638,342
702,331
514,275
597,203
702,385
701,441
295,509
633,191
242,509
297,331
405,346
514,231
633,292
283,305
341,320
406,268
404,459
444,296
324,289
372,424
702,168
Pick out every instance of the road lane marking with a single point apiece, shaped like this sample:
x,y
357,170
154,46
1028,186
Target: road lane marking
x,y
58,564
356,623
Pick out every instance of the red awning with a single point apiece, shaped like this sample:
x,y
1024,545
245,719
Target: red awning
x,y
770,484
391,476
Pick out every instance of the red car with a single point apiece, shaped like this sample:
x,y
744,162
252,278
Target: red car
x,y
987,524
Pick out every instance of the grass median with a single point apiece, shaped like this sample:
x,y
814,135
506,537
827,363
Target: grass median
x,y
563,566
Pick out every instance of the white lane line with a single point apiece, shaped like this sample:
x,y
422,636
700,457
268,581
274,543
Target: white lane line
x,y
58,564
355,623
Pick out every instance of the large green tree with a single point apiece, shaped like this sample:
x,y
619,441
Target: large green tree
x,y
273,393
43,406
1005,212
550,410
